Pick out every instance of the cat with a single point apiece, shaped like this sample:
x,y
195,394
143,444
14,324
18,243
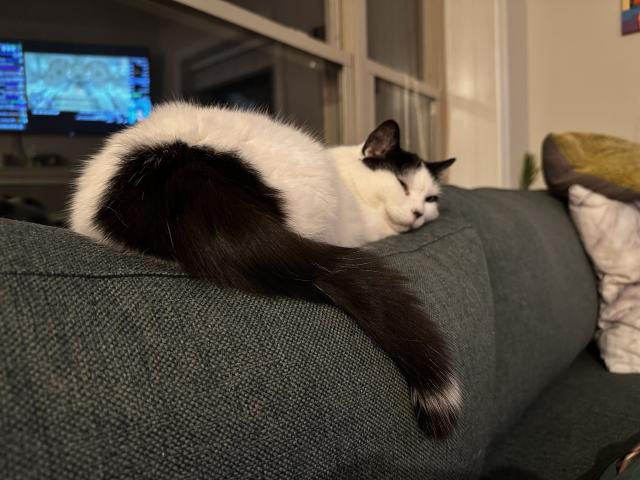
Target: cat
x,y
251,203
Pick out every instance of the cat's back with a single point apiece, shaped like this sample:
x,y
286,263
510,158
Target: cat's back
x,y
287,159
223,129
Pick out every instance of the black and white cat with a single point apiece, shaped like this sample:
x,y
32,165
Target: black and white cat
x,y
251,203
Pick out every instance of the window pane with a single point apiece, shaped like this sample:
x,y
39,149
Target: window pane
x,y
395,34
310,17
412,111
185,54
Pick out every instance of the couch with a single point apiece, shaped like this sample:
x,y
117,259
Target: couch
x,y
117,366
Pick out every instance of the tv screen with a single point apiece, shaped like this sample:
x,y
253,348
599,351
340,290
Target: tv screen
x,y
62,88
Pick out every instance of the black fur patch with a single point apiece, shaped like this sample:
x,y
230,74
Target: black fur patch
x,y
397,161
159,189
436,168
382,150
212,213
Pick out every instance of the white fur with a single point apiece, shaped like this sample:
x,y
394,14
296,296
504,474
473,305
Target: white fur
x,y
329,194
446,400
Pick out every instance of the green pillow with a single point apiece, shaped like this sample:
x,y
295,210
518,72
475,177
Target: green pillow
x,y
603,164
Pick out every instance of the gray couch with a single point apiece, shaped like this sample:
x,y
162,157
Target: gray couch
x,y
119,366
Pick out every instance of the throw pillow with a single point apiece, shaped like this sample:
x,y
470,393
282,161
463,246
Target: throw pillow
x,y
610,231
604,164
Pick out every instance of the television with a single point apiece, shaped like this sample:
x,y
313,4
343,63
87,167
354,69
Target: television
x,y
72,88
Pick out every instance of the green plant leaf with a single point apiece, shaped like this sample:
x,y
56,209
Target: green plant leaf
x,y
530,171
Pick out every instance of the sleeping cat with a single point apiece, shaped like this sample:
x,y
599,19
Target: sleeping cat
x,y
251,203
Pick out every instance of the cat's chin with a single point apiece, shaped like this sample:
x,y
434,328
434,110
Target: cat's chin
x,y
399,227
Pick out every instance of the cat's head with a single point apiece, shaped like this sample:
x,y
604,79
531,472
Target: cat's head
x,y
408,187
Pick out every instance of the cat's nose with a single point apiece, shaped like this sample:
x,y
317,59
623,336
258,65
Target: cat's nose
x,y
417,214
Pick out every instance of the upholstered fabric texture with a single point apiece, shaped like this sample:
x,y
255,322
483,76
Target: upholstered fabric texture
x,y
604,164
610,231
580,425
544,291
119,366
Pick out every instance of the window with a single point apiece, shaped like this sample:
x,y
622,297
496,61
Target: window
x,y
309,17
412,111
336,67
387,56
395,34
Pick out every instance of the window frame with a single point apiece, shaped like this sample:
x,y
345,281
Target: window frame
x,y
346,46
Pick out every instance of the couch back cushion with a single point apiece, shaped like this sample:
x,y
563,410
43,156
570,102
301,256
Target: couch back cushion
x,y
544,290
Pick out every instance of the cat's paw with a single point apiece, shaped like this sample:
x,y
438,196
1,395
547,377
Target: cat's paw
x,y
437,411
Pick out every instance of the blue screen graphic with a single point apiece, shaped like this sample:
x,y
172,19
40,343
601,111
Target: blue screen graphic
x,y
13,100
68,92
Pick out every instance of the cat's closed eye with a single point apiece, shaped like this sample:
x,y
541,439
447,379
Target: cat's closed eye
x,y
431,199
404,185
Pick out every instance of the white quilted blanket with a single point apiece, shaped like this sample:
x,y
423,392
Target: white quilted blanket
x,y
610,231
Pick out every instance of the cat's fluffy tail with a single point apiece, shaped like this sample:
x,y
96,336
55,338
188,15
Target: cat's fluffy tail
x,y
380,302
213,214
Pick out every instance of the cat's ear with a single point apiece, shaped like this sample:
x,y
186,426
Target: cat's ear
x,y
385,138
436,168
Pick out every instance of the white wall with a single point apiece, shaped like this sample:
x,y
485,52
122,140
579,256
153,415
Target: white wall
x,y
472,78
519,69
583,74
